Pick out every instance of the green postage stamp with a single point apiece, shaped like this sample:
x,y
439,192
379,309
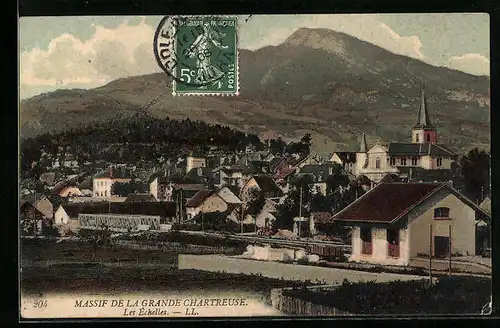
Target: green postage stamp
x,y
200,53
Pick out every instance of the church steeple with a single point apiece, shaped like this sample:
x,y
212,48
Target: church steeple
x,y
423,115
363,148
423,131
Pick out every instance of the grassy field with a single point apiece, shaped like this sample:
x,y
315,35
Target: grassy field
x,y
155,271
74,251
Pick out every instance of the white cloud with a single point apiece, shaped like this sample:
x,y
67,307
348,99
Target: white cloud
x,y
470,63
364,27
109,54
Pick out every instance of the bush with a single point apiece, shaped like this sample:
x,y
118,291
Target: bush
x,y
448,296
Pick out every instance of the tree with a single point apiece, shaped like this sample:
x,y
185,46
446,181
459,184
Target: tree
x,y
290,207
474,174
124,189
301,147
256,202
277,145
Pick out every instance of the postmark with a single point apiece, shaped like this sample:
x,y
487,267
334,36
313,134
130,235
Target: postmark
x,y
199,53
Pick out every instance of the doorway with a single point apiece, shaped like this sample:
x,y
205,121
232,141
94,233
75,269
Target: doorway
x,y
441,246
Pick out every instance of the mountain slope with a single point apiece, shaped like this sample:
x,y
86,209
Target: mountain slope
x,y
318,80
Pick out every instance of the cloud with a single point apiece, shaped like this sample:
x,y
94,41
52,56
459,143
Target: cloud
x,y
470,63
109,54
364,27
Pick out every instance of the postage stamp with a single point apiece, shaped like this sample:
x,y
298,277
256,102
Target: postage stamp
x,y
349,177
200,53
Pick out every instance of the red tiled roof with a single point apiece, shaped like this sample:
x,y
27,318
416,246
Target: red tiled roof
x,y
285,172
387,202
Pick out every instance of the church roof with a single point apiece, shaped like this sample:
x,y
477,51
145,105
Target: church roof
x,y
417,149
363,146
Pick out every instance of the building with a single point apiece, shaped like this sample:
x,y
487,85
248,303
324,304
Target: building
x,y
193,162
131,216
264,184
103,182
41,203
346,159
32,220
395,222
319,174
209,201
70,191
422,155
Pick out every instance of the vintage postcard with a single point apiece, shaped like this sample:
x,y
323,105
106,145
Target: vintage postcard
x,y
254,166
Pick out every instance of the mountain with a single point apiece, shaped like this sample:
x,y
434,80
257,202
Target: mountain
x,y
320,81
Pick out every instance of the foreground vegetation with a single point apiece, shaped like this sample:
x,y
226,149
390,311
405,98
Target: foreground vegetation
x,y
450,295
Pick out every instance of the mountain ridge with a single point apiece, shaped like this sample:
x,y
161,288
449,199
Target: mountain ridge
x,y
292,89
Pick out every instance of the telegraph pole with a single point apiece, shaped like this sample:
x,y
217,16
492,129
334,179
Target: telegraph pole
x,y
300,209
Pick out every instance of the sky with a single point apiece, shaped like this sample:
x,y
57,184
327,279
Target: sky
x,y
89,51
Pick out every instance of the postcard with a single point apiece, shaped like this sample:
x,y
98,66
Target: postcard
x,y
312,165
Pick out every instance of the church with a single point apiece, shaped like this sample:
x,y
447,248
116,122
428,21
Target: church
x,y
422,159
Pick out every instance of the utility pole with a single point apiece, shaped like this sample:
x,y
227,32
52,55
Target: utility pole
x,y
180,208
34,209
430,254
300,209
449,248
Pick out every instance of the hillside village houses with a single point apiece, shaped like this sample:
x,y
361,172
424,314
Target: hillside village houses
x,y
390,223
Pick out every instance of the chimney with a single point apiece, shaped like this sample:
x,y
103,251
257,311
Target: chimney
x,y
111,172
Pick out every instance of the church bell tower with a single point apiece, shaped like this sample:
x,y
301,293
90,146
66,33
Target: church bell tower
x,y
423,131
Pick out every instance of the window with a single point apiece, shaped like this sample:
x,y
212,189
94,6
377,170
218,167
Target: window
x,y
366,241
392,161
377,163
393,242
439,162
428,137
417,137
414,161
442,213
403,160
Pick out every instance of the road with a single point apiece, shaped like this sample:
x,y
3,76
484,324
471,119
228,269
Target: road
x,y
276,270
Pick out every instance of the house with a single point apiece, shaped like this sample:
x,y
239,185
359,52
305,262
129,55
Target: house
x,y
131,216
49,178
486,205
233,176
319,174
264,184
70,191
423,153
139,198
41,203
102,182
202,175
395,222
267,216
32,220
207,201
347,159
193,162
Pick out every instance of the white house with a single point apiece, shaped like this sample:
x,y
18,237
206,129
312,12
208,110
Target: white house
x,y
102,182
395,222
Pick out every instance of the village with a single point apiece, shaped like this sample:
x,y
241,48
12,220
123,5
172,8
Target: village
x,y
380,208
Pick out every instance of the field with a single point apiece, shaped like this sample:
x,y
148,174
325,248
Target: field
x,y
49,269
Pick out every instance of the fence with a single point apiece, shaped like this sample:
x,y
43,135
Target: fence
x,y
175,246
291,305
119,263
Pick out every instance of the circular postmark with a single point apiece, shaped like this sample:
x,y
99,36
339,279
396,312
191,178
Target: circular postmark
x,y
193,50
